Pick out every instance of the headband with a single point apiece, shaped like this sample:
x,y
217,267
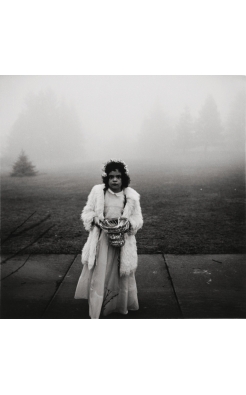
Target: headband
x,y
104,174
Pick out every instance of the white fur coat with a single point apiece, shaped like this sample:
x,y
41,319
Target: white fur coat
x,y
132,211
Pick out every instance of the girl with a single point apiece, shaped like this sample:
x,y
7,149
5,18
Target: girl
x,y
108,276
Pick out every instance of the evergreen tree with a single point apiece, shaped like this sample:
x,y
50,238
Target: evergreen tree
x,y
49,129
235,133
156,134
184,129
23,167
208,125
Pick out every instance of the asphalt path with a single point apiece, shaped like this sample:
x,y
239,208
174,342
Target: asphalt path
x,y
169,287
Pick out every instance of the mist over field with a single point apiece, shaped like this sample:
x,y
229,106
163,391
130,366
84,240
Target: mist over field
x,y
61,122
183,138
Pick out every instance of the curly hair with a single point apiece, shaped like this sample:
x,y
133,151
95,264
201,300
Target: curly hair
x,y
116,165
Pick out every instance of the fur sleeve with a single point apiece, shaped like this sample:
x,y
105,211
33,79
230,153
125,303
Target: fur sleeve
x,y
136,218
88,212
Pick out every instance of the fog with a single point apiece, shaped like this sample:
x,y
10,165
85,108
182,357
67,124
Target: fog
x,y
67,120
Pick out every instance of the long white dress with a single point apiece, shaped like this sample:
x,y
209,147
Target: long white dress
x,y
105,290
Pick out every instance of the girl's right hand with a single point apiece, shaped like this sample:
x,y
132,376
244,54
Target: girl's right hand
x,y
96,221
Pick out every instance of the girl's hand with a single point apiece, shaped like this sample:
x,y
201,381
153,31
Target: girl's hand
x,y
128,230
96,221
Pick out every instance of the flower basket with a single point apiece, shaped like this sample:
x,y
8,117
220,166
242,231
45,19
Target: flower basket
x,y
115,229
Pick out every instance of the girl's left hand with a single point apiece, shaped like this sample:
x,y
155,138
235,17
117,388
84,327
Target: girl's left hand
x,y
129,228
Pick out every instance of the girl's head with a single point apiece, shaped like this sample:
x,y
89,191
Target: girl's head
x,y
115,175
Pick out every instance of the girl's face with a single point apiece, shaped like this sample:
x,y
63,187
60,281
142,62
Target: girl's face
x,y
115,181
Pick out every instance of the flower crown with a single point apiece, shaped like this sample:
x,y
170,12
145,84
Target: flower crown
x,y
104,174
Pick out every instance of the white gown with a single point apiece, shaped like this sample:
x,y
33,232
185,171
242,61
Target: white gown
x,y
105,290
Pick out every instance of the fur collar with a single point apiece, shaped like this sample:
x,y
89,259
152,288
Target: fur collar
x,y
129,192
131,198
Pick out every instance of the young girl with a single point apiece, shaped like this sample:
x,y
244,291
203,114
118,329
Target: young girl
x,y
108,276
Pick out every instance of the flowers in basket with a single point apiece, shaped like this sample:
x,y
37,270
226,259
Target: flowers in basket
x,y
115,228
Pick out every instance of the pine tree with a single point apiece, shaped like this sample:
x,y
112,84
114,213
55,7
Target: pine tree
x,y
235,133
23,167
208,125
49,129
184,130
156,134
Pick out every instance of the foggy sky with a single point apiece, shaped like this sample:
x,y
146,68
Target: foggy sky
x,y
117,104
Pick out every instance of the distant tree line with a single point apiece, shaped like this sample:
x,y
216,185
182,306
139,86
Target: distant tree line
x,y
48,130
159,135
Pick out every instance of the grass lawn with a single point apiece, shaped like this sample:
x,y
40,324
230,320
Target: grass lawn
x,y
187,209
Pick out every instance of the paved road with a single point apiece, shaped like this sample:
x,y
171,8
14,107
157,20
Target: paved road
x,y
169,286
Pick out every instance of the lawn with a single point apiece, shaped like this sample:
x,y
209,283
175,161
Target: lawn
x,y
187,209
